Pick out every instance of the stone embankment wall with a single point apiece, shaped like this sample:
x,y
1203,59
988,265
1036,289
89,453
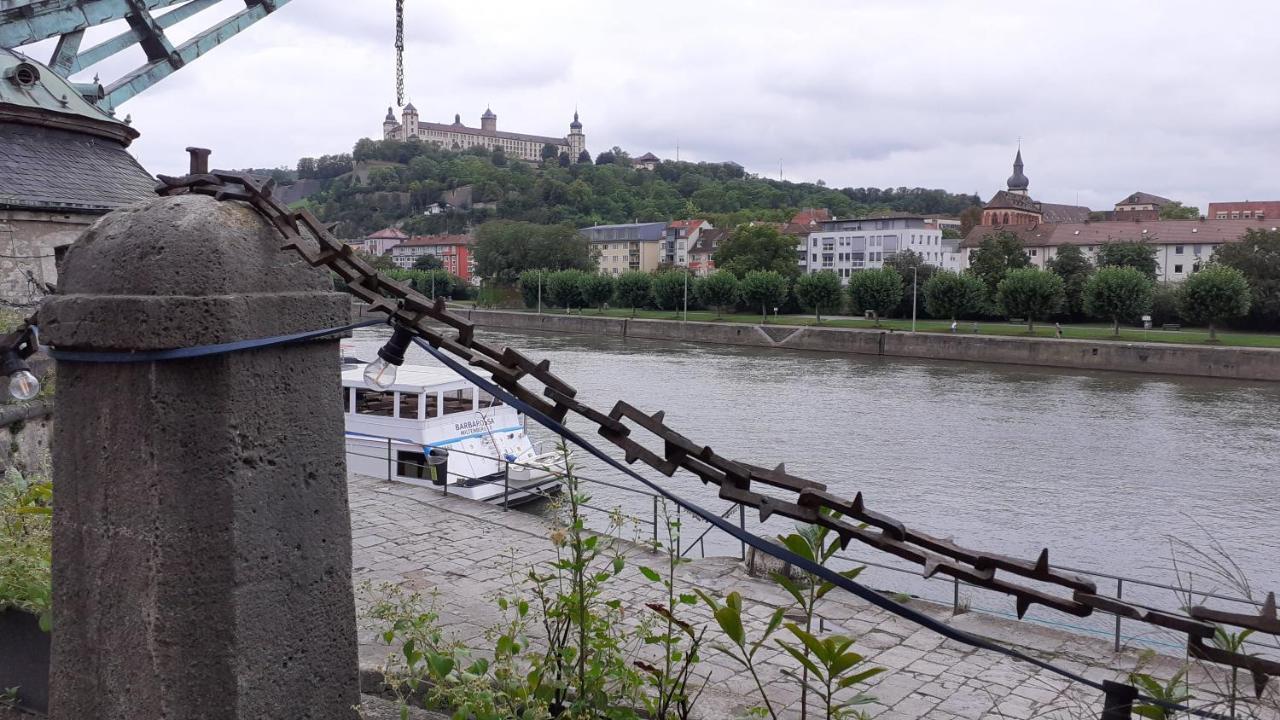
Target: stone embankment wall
x,y
1158,358
24,436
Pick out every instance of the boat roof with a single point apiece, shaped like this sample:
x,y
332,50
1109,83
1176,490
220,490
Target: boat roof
x,y
409,378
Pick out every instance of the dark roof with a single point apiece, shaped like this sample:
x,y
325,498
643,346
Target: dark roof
x,y
647,157
458,127
1141,198
488,113
1055,213
1174,232
1012,201
575,125
429,240
1018,181
708,240
410,109
49,168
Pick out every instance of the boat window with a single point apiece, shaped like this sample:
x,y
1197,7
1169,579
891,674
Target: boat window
x,y
373,402
346,399
488,401
456,401
409,404
412,465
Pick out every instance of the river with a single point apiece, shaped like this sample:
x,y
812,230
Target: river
x,y
1105,469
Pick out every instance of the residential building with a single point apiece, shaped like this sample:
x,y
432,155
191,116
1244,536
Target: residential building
x,y
379,242
942,222
460,137
702,252
847,246
1246,210
63,164
811,216
647,161
681,235
631,246
453,251
1182,246
1140,206
1014,205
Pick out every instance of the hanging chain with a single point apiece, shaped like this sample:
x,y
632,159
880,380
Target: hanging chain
x,y
739,482
399,53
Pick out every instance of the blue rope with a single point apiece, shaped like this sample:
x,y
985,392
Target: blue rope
x,y
144,356
781,553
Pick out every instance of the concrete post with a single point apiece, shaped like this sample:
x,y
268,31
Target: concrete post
x,y
202,537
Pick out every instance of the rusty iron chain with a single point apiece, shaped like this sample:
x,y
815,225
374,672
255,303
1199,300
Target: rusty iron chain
x,y
737,481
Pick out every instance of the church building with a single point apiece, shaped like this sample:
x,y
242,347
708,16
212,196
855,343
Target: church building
x,y
460,137
1014,206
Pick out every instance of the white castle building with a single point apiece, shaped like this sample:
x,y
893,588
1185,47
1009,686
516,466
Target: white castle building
x,y
460,137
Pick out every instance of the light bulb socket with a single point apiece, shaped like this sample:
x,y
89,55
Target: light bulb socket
x,y
12,363
394,349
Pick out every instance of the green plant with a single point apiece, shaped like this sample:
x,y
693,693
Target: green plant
x,y
1117,293
764,289
584,670
811,543
533,288
26,545
634,290
953,296
1214,295
820,290
678,640
1174,691
596,289
1030,293
831,664
718,290
743,650
878,290
564,289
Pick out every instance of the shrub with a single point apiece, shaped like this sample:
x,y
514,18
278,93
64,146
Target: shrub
x,y
634,290
26,545
564,288
1164,305
953,295
670,289
533,283
1030,293
596,289
1116,293
764,289
719,290
818,291
1214,295
877,290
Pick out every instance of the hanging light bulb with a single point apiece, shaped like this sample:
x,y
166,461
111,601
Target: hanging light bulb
x,y
23,385
381,373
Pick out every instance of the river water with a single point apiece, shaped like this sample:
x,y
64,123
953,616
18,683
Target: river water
x,y
1105,469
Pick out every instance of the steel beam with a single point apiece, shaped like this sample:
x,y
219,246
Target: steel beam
x,y
64,55
156,70
27,21
127,39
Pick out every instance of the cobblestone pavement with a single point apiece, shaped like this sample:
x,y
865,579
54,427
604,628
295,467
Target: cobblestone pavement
x,y
468,551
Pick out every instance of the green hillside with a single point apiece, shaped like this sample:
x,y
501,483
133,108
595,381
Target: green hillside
x,y
564,190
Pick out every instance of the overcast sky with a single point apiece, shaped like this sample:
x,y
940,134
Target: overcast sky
x,y
1173,98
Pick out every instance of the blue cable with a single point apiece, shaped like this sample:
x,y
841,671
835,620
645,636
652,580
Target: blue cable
x,y
187,353
781,553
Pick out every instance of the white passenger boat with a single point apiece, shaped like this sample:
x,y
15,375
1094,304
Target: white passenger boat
x,y
433,428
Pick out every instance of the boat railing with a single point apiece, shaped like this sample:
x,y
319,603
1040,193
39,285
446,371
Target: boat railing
x,y
1122,583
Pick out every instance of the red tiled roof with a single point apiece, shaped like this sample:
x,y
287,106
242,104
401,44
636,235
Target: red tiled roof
x,y
1165,232
684,224
809,216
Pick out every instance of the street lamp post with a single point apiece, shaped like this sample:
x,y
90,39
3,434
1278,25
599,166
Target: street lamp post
x,y
915,276
686,295
539,292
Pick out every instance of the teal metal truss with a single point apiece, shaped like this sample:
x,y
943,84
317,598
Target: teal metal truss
x,y
27,21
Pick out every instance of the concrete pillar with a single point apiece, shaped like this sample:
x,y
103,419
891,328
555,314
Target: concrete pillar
x,y
202,537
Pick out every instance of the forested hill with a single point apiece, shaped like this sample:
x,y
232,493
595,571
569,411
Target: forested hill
x,y
579,191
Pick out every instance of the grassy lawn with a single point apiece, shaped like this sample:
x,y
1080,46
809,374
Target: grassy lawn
x,y
1193,336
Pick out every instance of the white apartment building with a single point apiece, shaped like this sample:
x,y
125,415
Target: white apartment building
x,y
1182,246
846,246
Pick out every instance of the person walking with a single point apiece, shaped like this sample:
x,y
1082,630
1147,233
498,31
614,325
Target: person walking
x,y
1057,329
953,326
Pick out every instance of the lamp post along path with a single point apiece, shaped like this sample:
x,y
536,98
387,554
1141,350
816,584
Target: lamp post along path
x,y
915,276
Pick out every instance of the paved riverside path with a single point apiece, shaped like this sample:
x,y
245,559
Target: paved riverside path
x,y
469,550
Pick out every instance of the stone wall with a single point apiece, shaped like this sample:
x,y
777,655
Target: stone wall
x,y
24,436
1159,358
29,241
